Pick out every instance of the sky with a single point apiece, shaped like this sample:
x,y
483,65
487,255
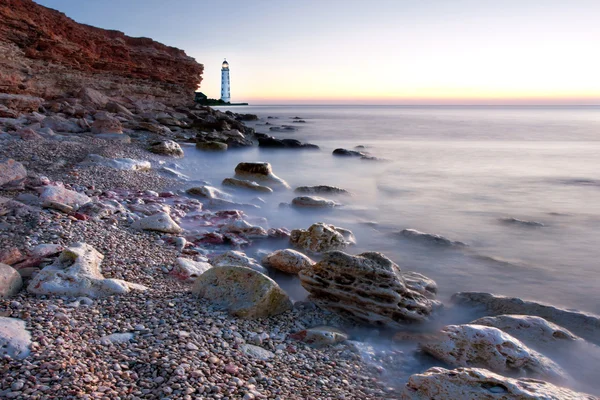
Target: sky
x,y
376,51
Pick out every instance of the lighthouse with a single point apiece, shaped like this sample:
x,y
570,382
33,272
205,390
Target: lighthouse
x,y
225,94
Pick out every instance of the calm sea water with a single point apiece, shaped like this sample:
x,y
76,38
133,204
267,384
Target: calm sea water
x,y
453,171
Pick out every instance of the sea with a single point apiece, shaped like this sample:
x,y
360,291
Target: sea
x,y
520,186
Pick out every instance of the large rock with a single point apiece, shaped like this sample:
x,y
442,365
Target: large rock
x,y
580,323
77,272
244,292
161,222
475,383
237,258
60,124
260,172
347,153
15,340
12,173
20,103
368,288
428,238
321,189
320,336
208,192
10,281
268,141
256,352
244,184
106,123
245,229
93,98
287,260
167,148
321,237
490,348
313,202
188,270
211,146
52,196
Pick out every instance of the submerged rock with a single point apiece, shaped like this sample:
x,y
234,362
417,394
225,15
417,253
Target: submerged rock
x,y
12,173
287,260
167,148
368,288
476,383
321,237
267,141
245,229
244,184
10,281
516,221
211,146
428,238
15,340
244,292
321,189
260,171
237,258
313,202
347,153
161,222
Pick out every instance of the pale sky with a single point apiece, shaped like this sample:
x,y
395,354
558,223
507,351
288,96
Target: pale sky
x,y
377,51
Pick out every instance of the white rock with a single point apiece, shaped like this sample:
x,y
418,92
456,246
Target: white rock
x,y
237,258
123,337
259,171
287,260
208,192
188,270
55,195
244,184
256,352
14,338
320,336
125,164
161,222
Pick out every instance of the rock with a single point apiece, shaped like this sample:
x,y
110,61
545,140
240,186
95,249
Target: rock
x,y
10,281
125,164
347,153
211,146
245,229
428,238
240,183
288,261
476,383
420,283
166,147
237,258
160,222
313,202
321,237
260,172
11,255
115,137
117,108
188,270
208,192
321,189
15,340
20,103
116,338
5,112
256,352
368,288
582,324
93,98
267,141
54,196
102,209
490,348
320,336
244,292
12,173
106,123
77,272
152,127
521,222
282,128
46,250
60,124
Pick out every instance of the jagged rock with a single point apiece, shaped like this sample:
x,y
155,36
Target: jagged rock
x,y
245,229
19,102
287,260
77,272
161,222
321,237
256,352
487,347
260,172
320,336
244,292
211,146
368,288
237,258
125,164
583,324
321,189
166,147
93,98
188,270
117,108
420,283
428,238
10,281
15,340
241,183
12,173
55,196
106,123
347,153
313,202
60,124
152,127
476,383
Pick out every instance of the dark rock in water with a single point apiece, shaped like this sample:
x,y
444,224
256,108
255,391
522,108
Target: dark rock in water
x,y
269,117
347,153
282,128
521,222
360,147
372,158
246,117
429,238
301,121
321,189
296,117
267,141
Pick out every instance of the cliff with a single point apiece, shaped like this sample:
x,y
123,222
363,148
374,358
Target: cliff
x,y
45,53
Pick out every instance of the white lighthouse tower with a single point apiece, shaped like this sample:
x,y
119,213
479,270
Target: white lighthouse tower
x,y
225,94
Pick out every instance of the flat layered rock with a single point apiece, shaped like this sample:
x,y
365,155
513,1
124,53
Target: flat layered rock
x,y
288,261
161,222
244,184
428,238
15,340
20,102
261,172
321,237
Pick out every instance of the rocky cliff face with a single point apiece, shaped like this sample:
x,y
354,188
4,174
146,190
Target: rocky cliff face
x,y
47,54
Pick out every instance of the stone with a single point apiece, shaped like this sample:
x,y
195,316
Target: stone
x,y
53,196
208,192
313,202
320,336
256,352
11,255
20,102
15,339
237,258
580,323
245,229
211,146
347,153
77,272
5,112
29,134
188,270
244,292
368,288
12,173
106,123
93,98
420,283
288,261
60,124
267,141
10,281
321,237
125,164
117,108
102,209
161,222
487,347
244,184
46,250
476,383
115,137
116,338
321,189
261,172
428,238
167,148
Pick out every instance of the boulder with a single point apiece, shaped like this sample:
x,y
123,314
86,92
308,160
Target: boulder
x,y
20,102
321,189
125,164
320,336
188,270
487,347
428,238
93,98
12,173
244,292
244,184
321,237
208,192
54,196
60,124
476,383
211,146
261,172
580,323
313,202
77,272
161,222
117,108
15,340
106,123
167,148
368,288
288,261
10,281
347,153
245,229
267,141
237,258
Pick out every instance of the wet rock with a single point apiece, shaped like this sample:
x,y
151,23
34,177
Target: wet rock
x,y
125,164
161,222
15,340
256,352
288,261
77,272
420,283
320,336
347,153
267,141
583,324
476,383
313,202
167,148
490,348
10,281
244,292
12,173
321,237
368,288
237,258
321,189
245,229
208,192
211,146
282,128
261,172
244,184
106,123
188,270
54,196
60,124
428,238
